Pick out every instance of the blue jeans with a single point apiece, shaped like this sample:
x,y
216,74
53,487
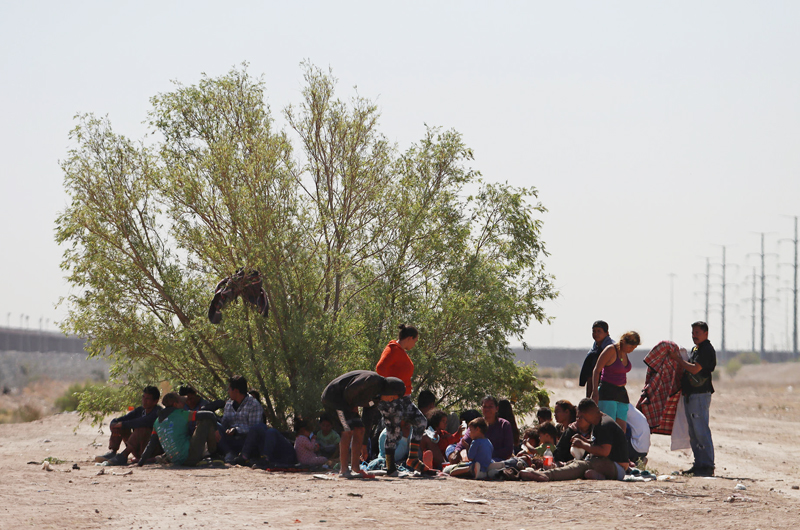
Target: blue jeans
x,y
269,443
697,406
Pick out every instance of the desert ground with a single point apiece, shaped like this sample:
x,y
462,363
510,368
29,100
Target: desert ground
x,y
754,421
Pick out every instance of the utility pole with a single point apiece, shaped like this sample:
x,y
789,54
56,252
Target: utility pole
x,y
708,284
753,330
763,294
723,299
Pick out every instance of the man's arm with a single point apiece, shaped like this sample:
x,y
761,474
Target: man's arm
x,y
692,368
143,421
596,450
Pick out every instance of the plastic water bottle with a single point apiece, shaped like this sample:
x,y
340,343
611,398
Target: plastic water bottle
x,y
433,435
548,458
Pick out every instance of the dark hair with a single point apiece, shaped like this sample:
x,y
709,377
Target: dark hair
x,y
480,424
300,423
255,393
700,324
186,390
425,399
469,415
170,398
325,417
544,412
238,382
152,391
586,405
602,324
407,331
569,407
489,398
548,427
505,411
436,418
531,434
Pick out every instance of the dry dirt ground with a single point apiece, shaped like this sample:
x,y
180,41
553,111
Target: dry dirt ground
x,y
754,420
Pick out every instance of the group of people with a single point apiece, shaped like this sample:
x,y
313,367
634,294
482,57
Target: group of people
x,y
371,425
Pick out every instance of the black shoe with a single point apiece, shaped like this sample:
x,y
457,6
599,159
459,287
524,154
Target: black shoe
x,y
240,461
690,471
704,472
108,456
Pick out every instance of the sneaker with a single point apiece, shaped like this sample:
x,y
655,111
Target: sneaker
x,y
511,473
691,471
118,460
230,458
108,456
240,461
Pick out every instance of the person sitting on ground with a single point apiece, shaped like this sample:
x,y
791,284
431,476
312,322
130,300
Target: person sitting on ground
x,y
530,441
548,434
192,402
172,435
610,377
134,429
506,411
607,450
327,438
265,447
564,450
638,435
438,421
342,397
305,448
498,432
565,413
464,418
543,414
400,451
480,454
242,412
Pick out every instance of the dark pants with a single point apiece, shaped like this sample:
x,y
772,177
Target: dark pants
x,y
578,468
270,444
228,443
205,434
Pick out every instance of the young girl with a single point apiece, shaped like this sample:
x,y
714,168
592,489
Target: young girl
x,y
306,449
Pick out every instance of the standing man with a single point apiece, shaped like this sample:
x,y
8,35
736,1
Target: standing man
x,y
601,341
697,389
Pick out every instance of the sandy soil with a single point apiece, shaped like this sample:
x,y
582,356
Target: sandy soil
x,y
754,420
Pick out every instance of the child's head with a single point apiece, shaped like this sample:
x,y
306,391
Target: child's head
x,y
325,424
530,436
301,427
544,414
477,428
548,433
438,420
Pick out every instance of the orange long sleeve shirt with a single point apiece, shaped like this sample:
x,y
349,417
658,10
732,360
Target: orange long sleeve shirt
x,y
395,362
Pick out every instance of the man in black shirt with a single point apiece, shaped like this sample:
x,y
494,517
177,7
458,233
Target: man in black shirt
x,y
342,397
607,450
697,389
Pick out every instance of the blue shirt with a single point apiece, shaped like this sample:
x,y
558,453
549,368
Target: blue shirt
x,y
480,451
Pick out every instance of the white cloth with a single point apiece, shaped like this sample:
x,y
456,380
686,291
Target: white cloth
x,y
640,430
679,440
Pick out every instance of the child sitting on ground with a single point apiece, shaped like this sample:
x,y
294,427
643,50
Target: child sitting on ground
x,y
435,451
480,454
306,449
548,435
544,414
327,438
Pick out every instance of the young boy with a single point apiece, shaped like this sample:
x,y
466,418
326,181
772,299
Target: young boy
x,y
342,397
327,438
544,414
480,454
304,447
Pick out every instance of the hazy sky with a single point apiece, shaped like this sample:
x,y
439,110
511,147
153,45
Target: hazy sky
x,y
654,132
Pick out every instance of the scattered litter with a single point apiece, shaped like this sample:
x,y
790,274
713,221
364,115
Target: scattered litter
x,y
129,472
351,494
738,498
740,487
796,487
476,501
46,441
101,472
665,478
46,466
440,503
297,521
35,462
324,477
92,483
76,466
66,471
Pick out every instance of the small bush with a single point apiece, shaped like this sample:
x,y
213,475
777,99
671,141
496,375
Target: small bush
x,y
22,414
70,400
733,367
749,357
